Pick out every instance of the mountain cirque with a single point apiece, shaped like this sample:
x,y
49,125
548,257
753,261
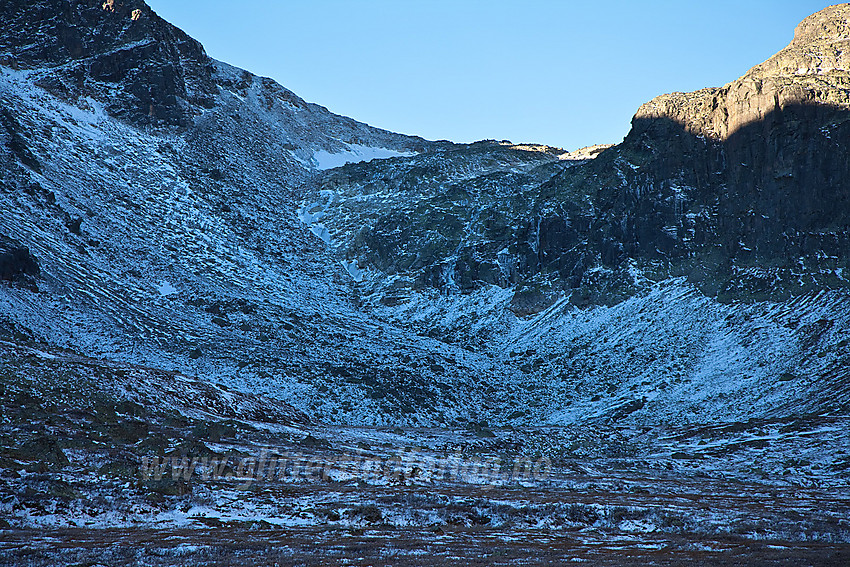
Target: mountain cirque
x,y
196,262
741,188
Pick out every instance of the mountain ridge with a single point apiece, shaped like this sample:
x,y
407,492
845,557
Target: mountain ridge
x,y
674,192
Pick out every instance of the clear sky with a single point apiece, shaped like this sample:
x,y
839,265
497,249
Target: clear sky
x,y
562,73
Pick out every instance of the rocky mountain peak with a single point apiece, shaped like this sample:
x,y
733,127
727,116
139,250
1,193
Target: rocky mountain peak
x,y
830,24
819,48
812,69
142,68
764,157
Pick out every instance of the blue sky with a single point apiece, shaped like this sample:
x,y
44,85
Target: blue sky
x,y
563,73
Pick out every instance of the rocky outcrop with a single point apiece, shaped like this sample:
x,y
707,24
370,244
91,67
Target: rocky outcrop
x,y
141,67
16,141
813,70
761,166
17,264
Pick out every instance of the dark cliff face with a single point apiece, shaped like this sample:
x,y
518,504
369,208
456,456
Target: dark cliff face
x,y
141,67
769,204
749,182
772,181
17,265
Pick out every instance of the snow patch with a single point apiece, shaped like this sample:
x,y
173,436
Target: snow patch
x,y
354,270
357,153
311,213
321,231
165,288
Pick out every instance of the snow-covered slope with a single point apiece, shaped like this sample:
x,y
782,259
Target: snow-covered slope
x,y
149,252
412,282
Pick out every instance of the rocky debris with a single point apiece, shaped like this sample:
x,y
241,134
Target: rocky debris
x,y
17,142
41,453
529,302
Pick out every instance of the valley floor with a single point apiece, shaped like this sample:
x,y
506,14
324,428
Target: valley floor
x,y
397,547
466,526
104,464
96,470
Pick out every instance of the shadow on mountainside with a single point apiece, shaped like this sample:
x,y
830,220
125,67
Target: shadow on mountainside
x,y
765,212
762,214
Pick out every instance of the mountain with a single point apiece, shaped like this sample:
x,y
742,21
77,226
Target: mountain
x,y
718,226
166,209
155,200
741,188
641,341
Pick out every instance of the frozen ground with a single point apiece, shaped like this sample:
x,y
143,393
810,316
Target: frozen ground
x,y
128,465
